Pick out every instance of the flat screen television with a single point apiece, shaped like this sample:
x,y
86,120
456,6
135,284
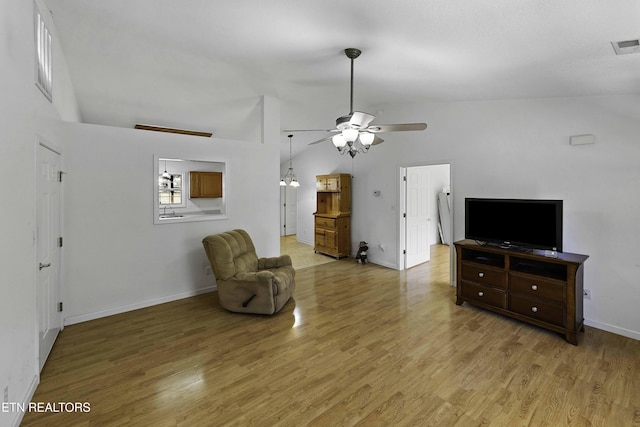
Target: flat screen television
x,y
517,223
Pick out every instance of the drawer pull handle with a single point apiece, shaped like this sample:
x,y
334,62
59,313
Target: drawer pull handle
x,y
534,309
480,294
534,287
480,274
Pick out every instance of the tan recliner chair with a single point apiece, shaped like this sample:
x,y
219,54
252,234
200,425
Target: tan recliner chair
x,y
246,283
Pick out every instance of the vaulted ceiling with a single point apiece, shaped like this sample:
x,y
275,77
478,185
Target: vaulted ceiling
x,y
203,64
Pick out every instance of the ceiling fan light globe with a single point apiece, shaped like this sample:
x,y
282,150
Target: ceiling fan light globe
x,y
339,141
350,135
367,138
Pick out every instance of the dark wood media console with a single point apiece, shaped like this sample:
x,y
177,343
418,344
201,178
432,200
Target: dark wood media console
x,y
527,286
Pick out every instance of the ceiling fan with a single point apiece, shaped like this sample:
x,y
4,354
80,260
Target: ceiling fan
x,y
354,132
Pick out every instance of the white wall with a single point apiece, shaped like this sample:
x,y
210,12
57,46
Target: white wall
x,y
513,148
24,113
116,258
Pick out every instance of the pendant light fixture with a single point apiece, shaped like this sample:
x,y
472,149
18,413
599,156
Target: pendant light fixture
x,y
165,174
290,178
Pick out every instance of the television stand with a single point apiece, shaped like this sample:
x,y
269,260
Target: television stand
x,y
507,247
527,286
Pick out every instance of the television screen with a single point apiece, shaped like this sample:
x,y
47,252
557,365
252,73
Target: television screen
x,y
533,224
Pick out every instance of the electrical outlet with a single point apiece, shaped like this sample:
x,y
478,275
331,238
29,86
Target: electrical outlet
x,y
587,294
207,270
6,394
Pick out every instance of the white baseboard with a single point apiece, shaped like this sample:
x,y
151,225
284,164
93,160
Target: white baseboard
x,y
27,398
117,310
306,242
613,329
382,263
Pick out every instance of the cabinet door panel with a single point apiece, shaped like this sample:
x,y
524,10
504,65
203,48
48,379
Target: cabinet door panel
x,y
330,239
205,185
333,184
321,184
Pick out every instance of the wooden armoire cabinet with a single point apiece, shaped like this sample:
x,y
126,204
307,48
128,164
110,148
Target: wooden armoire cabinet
x,y
333,215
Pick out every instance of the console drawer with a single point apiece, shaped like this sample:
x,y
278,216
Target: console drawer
x,y
537,287
540,310
484,275
484,294
325,222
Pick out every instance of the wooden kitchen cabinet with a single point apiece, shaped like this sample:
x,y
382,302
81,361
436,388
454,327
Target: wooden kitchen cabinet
x,y
205,185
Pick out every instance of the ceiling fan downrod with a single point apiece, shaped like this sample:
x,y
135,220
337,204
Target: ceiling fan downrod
x,y
352,53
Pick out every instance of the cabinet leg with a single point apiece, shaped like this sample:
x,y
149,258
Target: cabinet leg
x,y
572,338
459,300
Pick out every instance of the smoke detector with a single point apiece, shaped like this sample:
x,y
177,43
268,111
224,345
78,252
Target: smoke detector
x,y
626,47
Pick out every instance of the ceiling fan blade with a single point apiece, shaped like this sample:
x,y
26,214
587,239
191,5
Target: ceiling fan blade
x,y
397,127
377,140
328,138
361,120
308,130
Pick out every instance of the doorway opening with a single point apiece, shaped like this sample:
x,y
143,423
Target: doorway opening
x,y
426,213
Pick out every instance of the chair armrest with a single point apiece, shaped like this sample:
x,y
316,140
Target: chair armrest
x,y
274,262
260,279
263,277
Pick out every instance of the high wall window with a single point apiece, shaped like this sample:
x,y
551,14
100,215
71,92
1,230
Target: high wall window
x,y
43,52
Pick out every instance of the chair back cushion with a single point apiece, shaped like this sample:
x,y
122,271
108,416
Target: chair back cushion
x,y
230,253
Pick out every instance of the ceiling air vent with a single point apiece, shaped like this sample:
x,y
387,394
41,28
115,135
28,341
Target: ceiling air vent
x,y
626,47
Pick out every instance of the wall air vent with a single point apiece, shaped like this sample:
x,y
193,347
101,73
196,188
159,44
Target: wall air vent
x,y
626,47
173,130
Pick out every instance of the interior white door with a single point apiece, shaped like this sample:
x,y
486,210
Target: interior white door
x,y
283,211
292,211
417,219
49,251
288,210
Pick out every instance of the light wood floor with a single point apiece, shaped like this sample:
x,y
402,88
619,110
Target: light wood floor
x,y
359,345
302,255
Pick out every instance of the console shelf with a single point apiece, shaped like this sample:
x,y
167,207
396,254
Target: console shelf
x,y
531,287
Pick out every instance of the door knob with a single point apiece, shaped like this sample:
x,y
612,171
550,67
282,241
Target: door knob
x,y
41,266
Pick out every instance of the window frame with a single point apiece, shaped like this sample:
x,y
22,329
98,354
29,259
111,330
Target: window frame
x,y
182,189
43,53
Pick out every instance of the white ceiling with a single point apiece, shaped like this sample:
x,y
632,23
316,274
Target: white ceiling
x,y
203,64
